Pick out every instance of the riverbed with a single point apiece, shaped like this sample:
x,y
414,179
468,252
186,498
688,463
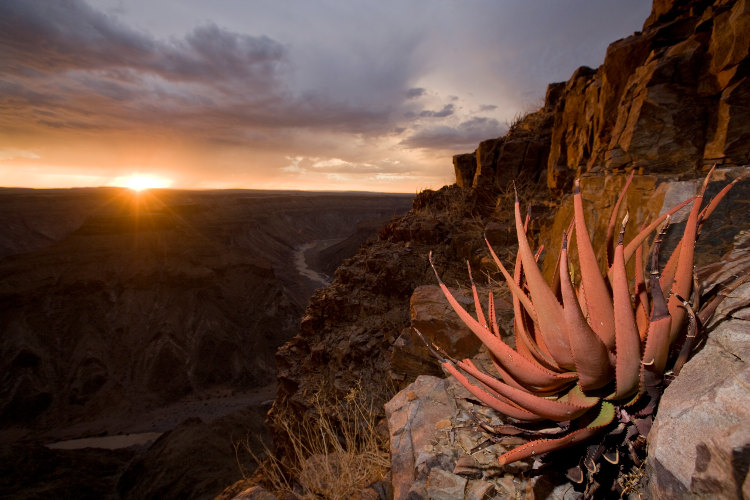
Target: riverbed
x,y
301,264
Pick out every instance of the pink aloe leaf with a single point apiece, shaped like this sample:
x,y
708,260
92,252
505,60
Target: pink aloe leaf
x,y
537,447
609,242
627,339
596,294
526,371
549,310
590,353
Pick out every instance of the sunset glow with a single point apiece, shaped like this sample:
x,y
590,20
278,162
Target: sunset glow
x,y
140,182
342,96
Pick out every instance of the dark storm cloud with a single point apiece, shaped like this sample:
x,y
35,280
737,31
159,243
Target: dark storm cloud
x,y
447,110
65,35
71,59
464,135
60,35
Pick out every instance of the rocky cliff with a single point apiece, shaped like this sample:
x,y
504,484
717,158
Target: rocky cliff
x,y
671,99
667,102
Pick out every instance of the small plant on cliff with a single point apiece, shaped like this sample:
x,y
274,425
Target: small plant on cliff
x,y
335,455
591,358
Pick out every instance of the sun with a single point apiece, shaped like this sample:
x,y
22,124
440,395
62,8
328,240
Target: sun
x,y
141,182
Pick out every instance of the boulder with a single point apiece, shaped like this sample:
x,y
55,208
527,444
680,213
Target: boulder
x,y
700,442
416,416
432,315
699,445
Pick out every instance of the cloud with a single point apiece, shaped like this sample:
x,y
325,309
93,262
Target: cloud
x,y
447,110
85,71
255,92
69,59
415,92
70,35
16,153
466,134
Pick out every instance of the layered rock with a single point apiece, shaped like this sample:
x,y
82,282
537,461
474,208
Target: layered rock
x,y
519,155
668,100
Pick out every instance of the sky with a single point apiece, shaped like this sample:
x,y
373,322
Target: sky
x,y
373,95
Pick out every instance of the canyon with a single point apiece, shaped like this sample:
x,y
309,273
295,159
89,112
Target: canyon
x,y
138,313
668,103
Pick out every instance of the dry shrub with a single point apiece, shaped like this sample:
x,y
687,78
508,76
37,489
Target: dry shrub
x,y
335,455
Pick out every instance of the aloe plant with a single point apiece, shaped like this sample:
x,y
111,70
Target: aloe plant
x,y
594,354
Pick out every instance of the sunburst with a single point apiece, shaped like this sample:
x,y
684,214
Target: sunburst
x,y
140,182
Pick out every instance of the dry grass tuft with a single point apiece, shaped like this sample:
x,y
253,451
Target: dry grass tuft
x,y
335,455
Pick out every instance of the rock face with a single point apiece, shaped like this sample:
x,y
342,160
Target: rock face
x,y
648,196
669,100
520,155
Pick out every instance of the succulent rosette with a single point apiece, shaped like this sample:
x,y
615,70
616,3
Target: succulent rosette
x,y
592,354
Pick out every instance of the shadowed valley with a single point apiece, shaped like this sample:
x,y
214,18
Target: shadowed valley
x,y
128,313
